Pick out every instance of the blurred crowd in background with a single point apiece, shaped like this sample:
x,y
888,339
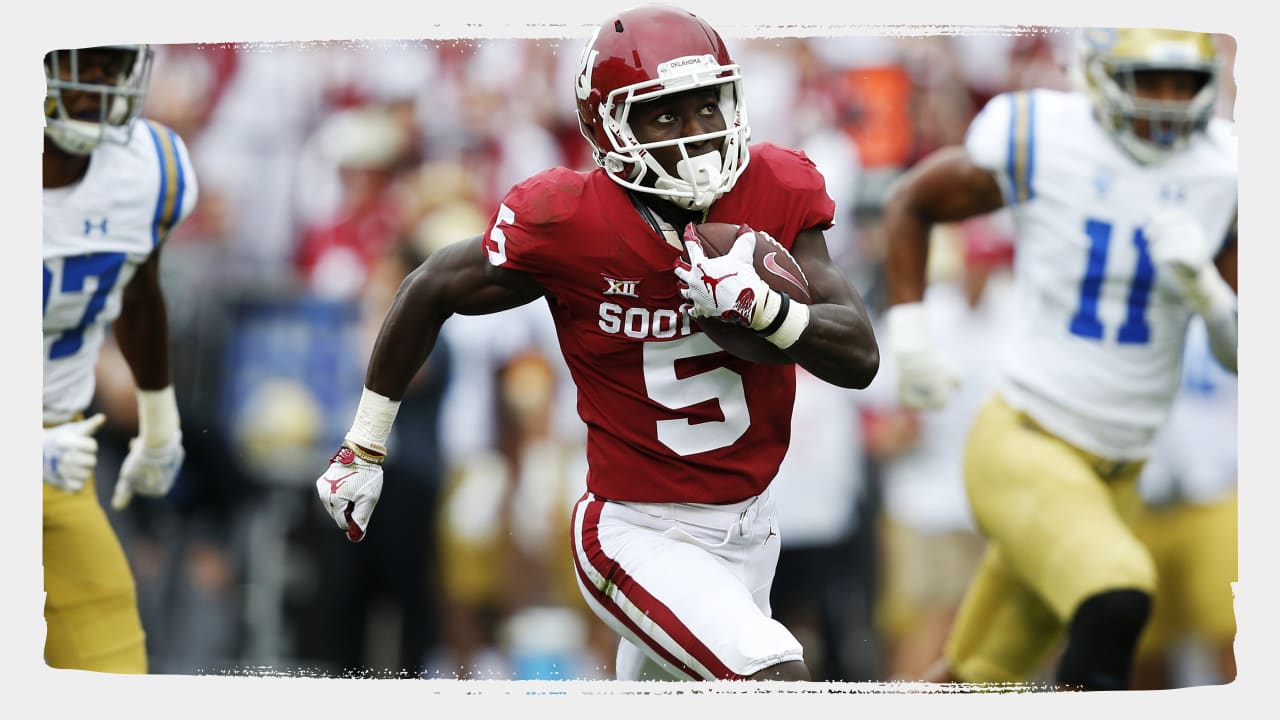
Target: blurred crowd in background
x,y
329,170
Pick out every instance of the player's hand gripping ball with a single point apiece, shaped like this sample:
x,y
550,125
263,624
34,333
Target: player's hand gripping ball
x,y
727,320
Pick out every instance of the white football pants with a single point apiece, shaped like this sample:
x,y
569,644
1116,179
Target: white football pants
x,y
686,583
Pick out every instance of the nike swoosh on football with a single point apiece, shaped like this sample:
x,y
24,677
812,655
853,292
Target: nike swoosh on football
x,y
772,266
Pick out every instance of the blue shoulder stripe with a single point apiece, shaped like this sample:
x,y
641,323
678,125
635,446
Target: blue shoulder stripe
x,y
1021,158
172,181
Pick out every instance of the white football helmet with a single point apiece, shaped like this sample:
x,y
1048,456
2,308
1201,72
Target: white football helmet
x,y
121,92
645,53
1108,60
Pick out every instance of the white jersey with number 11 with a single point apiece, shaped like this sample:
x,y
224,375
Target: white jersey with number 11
x,y
1095,355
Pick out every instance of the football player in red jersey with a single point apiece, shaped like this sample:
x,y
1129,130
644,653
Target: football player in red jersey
x,y
670,539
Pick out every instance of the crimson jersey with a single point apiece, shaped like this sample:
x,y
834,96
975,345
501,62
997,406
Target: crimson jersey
x,y
670,416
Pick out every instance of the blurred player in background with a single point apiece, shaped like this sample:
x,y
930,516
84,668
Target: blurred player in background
x,y
929,547
675,540
114,188
1189,523
1124,196
818,491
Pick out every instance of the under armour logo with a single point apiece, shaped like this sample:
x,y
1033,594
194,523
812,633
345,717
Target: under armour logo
x,y
1102,183
712,282
89,225
335,484
766,537
1173,194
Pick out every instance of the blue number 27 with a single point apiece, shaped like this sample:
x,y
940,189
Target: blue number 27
x,y
1085,322
75,270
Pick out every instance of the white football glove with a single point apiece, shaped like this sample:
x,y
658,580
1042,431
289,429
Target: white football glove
x,y
71,452
349,490
924,380
727,287
1179,247
147,470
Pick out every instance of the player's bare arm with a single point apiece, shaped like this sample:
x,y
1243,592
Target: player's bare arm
x,y
1221,318
839,345
1226,261
142,330
945,187
457,279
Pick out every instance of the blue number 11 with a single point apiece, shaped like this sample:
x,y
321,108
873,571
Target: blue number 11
x,y
1085,322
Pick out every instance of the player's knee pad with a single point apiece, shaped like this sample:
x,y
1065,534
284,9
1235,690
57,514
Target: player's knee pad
x,y
1101,640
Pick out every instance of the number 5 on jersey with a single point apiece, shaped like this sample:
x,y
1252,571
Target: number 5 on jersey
x,y
673,392
495,243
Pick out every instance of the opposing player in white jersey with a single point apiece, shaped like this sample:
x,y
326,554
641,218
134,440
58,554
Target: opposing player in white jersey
x,y
1189,522
1124,195
114,187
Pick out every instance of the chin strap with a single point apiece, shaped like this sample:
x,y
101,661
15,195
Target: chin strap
x,y
701,175
75,137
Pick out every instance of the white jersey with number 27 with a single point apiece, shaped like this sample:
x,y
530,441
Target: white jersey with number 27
x,y
1095,356
96,234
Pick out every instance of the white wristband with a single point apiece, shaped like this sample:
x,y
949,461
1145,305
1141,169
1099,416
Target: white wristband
x,y
793,325
157,416
767,309
374,417
908,327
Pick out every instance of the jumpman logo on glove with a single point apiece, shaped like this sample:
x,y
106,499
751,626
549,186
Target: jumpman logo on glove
x,y
712,283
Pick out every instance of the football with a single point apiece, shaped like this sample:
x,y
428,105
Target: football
x,y
779,270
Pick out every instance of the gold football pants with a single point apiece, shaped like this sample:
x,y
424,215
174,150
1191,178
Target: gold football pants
x,y
1196,551
91,607
1056,519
